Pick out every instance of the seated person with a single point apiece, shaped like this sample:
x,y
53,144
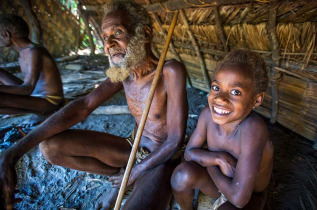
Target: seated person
x,y
236,165
41,92
127,32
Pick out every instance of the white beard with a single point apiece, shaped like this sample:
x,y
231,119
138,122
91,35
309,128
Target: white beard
x,y
134,56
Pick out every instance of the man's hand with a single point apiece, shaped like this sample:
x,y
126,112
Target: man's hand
x,y
227,164
117,179
8,180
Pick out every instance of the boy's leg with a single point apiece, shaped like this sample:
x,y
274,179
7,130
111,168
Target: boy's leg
x,y
187,177
9,79
89,151
257,202
18,104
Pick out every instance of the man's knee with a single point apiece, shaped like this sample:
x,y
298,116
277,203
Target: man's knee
x,y
183,176
51,150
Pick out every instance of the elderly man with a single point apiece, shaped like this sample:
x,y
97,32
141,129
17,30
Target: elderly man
x,y
126,30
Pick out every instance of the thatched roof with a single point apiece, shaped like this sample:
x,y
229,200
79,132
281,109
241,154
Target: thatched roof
x,y
283,32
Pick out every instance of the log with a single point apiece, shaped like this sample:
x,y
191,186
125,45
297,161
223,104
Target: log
x,y
220,30
58,60
112,110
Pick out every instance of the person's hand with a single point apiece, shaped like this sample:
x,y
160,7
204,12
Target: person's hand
x,y
8,180
117,179
227,164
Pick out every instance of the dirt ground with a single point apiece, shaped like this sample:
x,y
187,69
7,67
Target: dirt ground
x,y
44,186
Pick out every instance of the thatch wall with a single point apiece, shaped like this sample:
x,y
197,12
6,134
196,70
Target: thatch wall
x,y
60,29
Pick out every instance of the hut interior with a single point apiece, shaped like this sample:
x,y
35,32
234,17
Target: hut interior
x,y
283,32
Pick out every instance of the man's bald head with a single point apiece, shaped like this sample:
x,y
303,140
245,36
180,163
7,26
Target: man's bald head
x,y
14,24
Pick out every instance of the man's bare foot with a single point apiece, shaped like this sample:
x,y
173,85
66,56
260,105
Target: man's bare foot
x,y
109,199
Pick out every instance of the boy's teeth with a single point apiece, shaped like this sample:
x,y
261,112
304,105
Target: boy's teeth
x,y
221,111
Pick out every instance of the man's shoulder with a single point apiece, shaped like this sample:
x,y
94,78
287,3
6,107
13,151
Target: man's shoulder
x,y
173,68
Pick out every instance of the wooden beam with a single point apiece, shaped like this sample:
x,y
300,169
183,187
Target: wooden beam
x,y
273,6
220,29
35,28
159,23
197,50
171,5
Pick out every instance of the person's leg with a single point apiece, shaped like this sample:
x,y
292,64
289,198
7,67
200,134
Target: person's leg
x,y
187,177
9,79
89,151
18,104
257,202
152,190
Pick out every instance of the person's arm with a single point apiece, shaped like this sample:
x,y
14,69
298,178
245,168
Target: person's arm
x,y
70,115
194,151
34,67
238,190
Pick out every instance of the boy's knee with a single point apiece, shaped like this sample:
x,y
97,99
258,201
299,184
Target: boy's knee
x,y
182,177
50,150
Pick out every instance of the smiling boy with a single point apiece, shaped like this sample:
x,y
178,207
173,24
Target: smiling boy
x,y
237,164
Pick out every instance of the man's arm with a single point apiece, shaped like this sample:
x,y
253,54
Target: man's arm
x,y
34,67
176,118
239,189
70,115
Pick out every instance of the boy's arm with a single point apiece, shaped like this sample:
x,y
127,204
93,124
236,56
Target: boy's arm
x,y
195,152
239,189
70,115
34,67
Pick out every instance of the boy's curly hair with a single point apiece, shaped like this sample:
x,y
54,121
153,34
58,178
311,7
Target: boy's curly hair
x,y
249,62
137,14
15,24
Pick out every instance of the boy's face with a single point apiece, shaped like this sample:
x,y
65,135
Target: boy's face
x,y
231,97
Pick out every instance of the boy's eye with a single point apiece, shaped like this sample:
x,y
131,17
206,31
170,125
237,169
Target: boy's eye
x,y
235,92
105,38
215,87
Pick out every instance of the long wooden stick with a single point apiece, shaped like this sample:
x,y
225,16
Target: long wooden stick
x,y
145,114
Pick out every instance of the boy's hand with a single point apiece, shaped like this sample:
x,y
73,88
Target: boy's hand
x,y
227,164
8,180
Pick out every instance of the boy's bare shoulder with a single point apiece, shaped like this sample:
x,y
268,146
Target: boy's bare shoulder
x,y
205,115
253,127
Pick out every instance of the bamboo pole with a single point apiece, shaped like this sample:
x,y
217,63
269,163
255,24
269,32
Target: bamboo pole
x,y
220,30
196,46
145,114
159,23
275,56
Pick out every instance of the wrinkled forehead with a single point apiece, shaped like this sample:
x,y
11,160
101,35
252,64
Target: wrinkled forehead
x,y
115,19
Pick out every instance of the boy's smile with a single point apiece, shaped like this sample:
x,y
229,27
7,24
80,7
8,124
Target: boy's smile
x,y
231,97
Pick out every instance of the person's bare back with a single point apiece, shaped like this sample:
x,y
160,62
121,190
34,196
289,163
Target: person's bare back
x,y
41,89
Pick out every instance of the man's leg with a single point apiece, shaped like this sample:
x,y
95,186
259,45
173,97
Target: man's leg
x,y
187,177
152,190
18,104
9,79
89,151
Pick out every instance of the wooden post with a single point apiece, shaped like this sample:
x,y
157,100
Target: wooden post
x,y
220,30
159,23
85,18
97,28
145,114
35,28
273,6
196,46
